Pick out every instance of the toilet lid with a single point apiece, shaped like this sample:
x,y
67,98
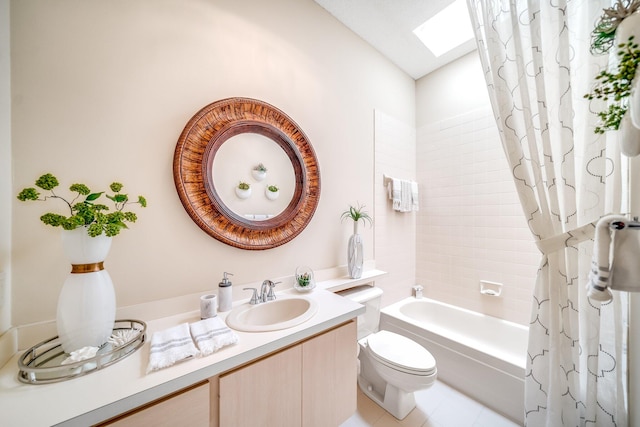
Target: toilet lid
x,y
401,352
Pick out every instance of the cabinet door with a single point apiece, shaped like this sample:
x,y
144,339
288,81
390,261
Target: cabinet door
x,y
186,408
265,393
329,377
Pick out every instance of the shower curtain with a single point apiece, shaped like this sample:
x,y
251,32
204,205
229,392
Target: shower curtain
x,y
537,65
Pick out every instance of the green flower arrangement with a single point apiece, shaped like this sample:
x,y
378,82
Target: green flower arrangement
x,y
273,188
615,86
243,185
85,213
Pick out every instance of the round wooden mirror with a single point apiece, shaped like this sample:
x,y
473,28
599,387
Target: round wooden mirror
x,y
193,164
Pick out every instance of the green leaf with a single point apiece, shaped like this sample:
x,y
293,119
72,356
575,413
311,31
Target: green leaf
x,y
120,198
93,196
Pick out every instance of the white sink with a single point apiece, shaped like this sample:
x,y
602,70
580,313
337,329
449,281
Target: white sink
x,y
272,315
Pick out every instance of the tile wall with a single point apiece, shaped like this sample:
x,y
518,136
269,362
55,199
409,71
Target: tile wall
x,y
470,225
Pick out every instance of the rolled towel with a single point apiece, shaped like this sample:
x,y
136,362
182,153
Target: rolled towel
x,y
170,346
625,267
212,334
598,284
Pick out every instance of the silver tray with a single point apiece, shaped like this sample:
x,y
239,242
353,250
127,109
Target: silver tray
x,y
42,363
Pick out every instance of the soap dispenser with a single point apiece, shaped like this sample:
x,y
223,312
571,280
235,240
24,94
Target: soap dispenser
x,y
224,294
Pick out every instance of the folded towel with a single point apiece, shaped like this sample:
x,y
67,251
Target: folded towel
x,y
211,335
415,205
395,193
170,346
599,276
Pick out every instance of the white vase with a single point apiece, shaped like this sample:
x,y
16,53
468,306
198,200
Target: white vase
x,y
630,26
243,194
271,195
87,302
628,137
355,257
258,175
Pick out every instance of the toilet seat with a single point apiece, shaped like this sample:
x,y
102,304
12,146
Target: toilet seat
x,y
401,353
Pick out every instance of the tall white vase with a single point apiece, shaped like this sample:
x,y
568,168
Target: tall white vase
x,y
355,253
630,26
87,302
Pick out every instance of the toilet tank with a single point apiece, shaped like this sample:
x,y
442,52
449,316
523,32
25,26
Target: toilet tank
x,y
371,298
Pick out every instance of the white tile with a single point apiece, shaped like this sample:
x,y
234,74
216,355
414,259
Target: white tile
x,y
456,413
438,406
488,418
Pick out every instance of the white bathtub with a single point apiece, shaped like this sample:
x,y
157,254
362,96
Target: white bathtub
x,y
482,356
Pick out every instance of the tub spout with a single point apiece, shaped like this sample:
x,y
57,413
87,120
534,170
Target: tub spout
x,y
417,291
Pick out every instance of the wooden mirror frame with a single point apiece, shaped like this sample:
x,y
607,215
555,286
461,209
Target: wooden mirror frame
x,y
193,159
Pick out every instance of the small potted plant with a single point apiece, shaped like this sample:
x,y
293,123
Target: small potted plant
x,y
243,190
272,192
259,172
304,279
615,86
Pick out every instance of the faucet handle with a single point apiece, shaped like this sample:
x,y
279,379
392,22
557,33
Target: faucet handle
x,y
271,295
254,298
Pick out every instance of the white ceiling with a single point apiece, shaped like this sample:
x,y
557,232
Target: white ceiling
x,y
388,26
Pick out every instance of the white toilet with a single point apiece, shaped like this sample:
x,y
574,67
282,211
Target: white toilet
x,y
391,367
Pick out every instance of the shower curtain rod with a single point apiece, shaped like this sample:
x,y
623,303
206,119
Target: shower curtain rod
x,y
621,225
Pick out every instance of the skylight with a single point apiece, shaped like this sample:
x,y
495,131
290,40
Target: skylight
x,y
447,29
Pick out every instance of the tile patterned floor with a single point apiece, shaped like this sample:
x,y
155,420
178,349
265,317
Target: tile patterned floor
x,y
438,406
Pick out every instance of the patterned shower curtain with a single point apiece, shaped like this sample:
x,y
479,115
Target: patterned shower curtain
x,y
537,65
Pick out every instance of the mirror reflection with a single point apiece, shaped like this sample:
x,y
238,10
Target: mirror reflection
x,y
238,160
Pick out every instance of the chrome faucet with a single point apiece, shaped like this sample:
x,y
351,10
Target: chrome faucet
x,y
254,297
266,292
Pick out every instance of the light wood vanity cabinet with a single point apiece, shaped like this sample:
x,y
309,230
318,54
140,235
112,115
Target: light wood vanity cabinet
x,y
309,384
329,377
188,407
312,383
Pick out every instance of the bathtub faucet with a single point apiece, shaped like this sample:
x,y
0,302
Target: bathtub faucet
x,y
417,291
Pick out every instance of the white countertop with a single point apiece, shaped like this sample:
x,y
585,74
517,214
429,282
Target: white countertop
x,y
125,385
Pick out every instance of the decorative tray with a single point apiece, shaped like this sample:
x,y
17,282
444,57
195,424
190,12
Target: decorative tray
x,y
43,363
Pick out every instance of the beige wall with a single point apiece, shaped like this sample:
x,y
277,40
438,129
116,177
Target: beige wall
x,y
470,226
5,169
102,90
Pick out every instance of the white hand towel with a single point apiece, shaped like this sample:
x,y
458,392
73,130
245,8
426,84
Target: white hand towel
x,y
395,193
170,346
415,205
212,334
598,284
405,196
